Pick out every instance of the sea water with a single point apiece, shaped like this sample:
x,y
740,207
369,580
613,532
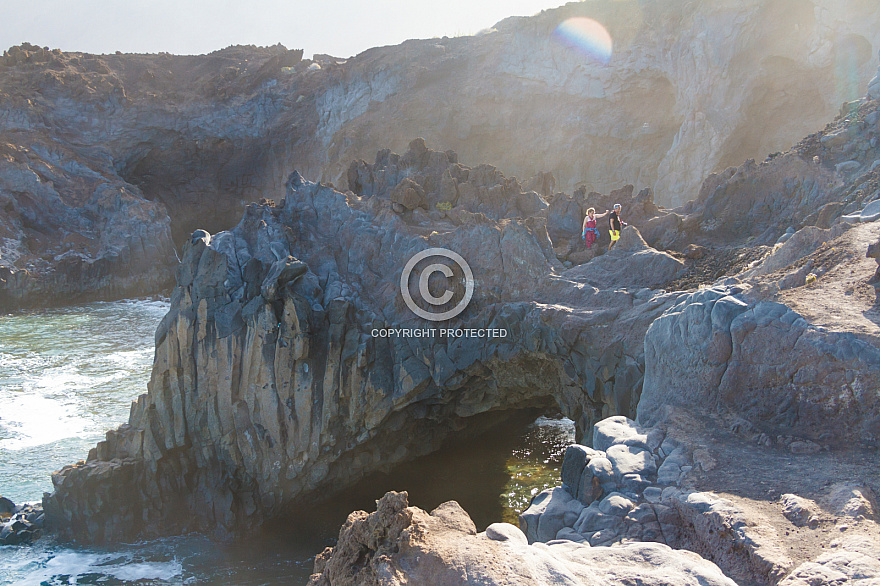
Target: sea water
x,y
68,375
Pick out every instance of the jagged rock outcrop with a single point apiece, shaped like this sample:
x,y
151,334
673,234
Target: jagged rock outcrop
x,y
438,184
827,178
631,263
71,230
20,525
203,133
275,376
398,544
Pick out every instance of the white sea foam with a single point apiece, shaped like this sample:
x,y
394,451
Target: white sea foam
x,y
68,567
562,423
72,372
33,420
131,358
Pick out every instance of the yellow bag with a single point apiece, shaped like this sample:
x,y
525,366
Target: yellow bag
x,y
615,235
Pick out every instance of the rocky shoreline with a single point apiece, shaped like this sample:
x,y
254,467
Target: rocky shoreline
x,y
623,513
268,385
20,524
721,363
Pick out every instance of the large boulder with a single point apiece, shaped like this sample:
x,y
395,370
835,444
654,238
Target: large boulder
x,y
763,361
624,458
409,194
548,513
630,263
399,544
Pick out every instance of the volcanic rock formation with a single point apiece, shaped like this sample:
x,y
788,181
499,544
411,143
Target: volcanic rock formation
x,y
642,484
399,544
72,230
288,363
203,134
274,377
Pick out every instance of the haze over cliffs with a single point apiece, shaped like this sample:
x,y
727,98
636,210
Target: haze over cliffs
x,y
691,88
727,345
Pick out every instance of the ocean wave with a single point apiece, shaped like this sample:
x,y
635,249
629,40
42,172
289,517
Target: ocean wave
x,y
71,567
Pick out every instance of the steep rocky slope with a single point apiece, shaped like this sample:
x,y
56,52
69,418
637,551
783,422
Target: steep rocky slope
x,y
684,94
71,230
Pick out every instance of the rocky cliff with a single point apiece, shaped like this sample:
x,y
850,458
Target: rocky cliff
x,y
71,230
275,374
282,367
684,94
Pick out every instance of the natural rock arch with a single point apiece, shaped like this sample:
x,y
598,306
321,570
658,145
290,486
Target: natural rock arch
x,y
268,383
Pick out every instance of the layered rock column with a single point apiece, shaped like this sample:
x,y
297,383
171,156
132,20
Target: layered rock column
x,y
269,382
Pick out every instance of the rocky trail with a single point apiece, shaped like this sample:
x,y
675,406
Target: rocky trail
x,y
739,467
843,299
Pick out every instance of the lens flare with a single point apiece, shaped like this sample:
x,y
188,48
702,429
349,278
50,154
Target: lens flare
x,y
586,36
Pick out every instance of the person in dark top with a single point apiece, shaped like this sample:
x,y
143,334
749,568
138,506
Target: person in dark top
x,y
616,225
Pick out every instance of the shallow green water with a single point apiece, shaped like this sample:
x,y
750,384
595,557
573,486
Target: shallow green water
x,y
68,375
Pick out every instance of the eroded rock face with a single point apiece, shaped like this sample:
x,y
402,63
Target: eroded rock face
x,y
829,177
765,362
201,134
71,230
436,182
663,123
398,544
271,378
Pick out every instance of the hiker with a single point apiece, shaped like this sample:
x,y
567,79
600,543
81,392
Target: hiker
x,y
591,231
616,225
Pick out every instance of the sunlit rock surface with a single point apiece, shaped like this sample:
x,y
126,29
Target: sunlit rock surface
x,y
399,544
690,88
271,380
